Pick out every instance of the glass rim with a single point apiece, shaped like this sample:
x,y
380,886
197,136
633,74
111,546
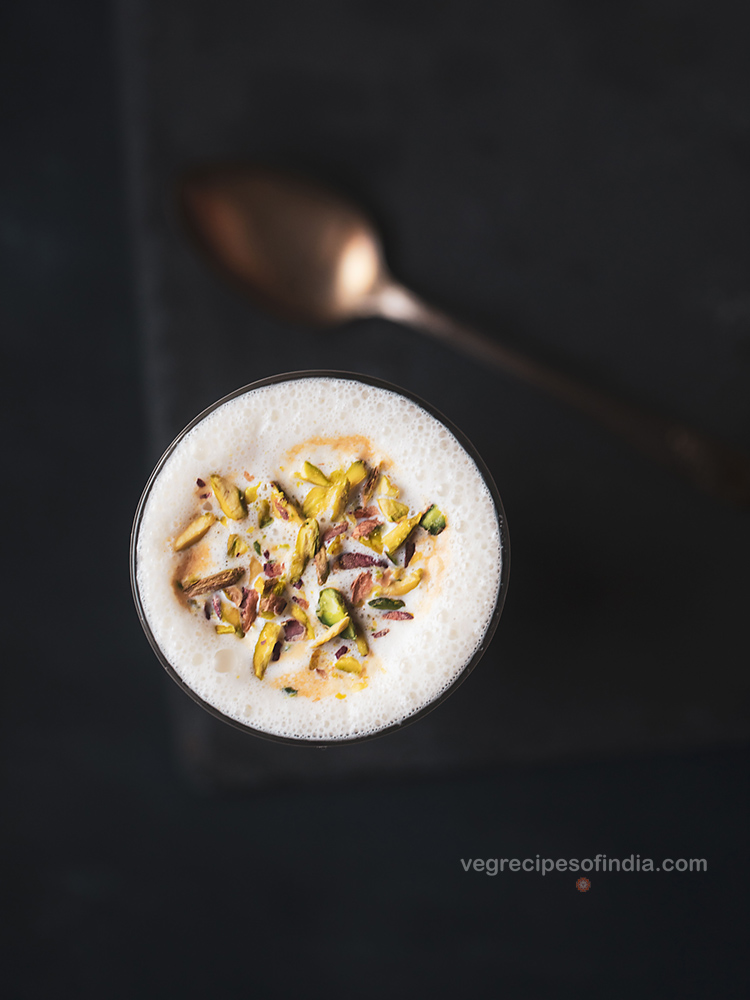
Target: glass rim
x,y
501,590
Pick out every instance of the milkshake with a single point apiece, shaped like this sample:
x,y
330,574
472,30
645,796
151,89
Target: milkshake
x,y
319,558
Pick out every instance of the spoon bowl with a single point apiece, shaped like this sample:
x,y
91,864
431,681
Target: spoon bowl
x,y
303,252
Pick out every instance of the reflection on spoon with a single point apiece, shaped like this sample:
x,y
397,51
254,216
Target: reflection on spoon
x,y
306,254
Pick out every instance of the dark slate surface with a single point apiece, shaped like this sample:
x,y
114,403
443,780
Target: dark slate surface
x,y
572,176
119,879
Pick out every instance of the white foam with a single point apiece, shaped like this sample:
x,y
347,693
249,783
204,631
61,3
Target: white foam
x,y
452,608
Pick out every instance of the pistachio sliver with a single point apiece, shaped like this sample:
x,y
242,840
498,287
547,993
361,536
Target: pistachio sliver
x,y
433,520
386,604
315,502
224,629
392,509
299,615
386,487
356,473
269,636
236,546
229,497
338,495
331,606
313,475
216,582
251,494
194,532
398,535
399,587
282,507
332,632
264,514
349,665
307,544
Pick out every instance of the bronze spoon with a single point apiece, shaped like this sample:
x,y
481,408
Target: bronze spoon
x,y
308,255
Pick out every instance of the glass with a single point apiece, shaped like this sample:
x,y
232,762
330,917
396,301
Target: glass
x,y
504,547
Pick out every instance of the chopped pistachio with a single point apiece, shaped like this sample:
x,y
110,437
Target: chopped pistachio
x,y
361,642
282,507
374,540
230,614
254,568
312,474
386,604
349,665
321,565
392,509
292,692
387,488
307,544
229,497
236,546
398,535
356,473
251,494
334,546
433,520
271,600
224,629
315,502
298,614
264,514
194,532
256,546
338,495
215,582
369,487
332,608
332,632
399,585
270,635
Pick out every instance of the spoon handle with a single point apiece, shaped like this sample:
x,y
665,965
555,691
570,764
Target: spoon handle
x,y
708,463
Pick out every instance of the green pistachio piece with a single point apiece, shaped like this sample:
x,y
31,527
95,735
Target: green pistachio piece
x,y
385,486
338,495
312,474
225,629
251,494
386,604
256,546
194,532
349,665
398,535
264,514
297,613
315,502
361,642
400,585
230,614
356,473
331,606
374,540
331,633
433,520
271,634
321,564
236,546
392,509
282,507
230,499
307,544
292,692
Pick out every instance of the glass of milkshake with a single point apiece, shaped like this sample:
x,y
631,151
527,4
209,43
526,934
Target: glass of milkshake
x,y
320,558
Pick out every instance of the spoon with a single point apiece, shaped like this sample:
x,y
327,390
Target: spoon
x,y
308,255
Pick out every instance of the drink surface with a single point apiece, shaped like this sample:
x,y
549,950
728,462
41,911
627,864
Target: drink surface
x,y
265,436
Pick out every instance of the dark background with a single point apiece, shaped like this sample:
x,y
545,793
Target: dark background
x,y
573,173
